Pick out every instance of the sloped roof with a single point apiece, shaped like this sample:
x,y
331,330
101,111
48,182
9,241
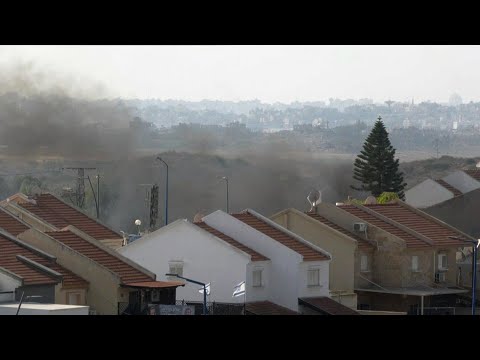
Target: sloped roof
x,y
414,220
11,224
449,187
473,173
126,272
255,256
327,306
59,214
9,250
267,308
308,253
362,243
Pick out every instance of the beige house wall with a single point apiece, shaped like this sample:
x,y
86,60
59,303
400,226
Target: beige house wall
x,y
103,293
342,249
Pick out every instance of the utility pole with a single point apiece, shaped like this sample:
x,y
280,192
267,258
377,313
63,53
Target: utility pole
x,y
80,192
437,147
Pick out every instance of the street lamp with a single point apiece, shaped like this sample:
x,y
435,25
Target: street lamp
x,y
475,244
226,182
138,222
198,283
166,191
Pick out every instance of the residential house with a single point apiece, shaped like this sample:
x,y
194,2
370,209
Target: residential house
x,y
199,252
46,212
430,192
116,285
343,245
280,269
411,263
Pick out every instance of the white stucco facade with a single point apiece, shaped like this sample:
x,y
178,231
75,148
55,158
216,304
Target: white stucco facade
x,y
8,282
204,257
462,181
427,193
288,273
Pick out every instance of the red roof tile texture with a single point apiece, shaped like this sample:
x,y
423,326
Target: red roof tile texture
x,y
11,224
308,253
126,272
362,244
473,173
255,256
449,187
57,213
438,233
328,306
267,308
31,275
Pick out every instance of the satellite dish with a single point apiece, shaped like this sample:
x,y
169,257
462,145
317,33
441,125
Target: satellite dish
x,y
198,217
371,200
314,198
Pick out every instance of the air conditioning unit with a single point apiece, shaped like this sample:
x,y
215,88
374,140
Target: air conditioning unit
x,y
360,227
439,277
155,295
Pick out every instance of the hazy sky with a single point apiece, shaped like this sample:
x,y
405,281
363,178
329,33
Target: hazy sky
x,y
267,73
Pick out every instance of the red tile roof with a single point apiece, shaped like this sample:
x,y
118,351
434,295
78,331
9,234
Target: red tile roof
x,y
267,308
127,273
449,187
9,250
473,173
437,233
57,213
255,256
362,243
11,224
308,253
327,306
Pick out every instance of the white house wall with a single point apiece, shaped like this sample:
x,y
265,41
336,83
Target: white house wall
x,y
8,283
284,286
462,181
427,193
205,259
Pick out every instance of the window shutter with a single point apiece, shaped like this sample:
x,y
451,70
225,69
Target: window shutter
x,y
415,263
364,263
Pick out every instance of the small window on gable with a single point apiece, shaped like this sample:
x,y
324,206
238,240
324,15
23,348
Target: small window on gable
x,y
364,263
257,277
442,261
415,263
175,267
313,276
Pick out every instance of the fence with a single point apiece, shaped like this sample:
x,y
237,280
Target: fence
x,y
437,311
215,308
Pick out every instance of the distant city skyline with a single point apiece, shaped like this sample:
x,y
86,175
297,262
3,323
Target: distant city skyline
x,y
269,74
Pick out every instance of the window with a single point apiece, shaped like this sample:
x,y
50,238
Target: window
x,y
415,263
364,263
313,277
176,267
74,298
257,277
442,262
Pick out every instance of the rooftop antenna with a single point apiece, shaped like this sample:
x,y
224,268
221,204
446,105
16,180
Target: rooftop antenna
x,y
314,198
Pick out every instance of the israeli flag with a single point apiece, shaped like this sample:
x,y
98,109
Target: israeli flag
x,y
207,287
239,289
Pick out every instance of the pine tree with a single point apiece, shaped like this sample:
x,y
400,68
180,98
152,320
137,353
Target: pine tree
x,y
376,167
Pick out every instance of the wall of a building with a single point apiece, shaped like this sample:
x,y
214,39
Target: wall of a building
x,y
61,295
102,295
287,273
427,193
342,249
460,212
462,181
8,283
205,258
